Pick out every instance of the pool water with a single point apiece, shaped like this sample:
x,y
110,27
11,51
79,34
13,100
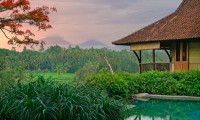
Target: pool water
x,y
156,109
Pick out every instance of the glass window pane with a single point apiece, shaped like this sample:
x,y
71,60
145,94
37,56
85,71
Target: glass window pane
x,y
184,51
178,51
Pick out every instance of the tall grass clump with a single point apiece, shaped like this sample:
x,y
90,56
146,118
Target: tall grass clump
x,y
6,78
42,100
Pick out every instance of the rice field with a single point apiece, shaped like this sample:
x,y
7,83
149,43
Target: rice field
x,y
63,78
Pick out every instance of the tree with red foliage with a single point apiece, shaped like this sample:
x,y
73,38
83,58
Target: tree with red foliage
x,y
14,14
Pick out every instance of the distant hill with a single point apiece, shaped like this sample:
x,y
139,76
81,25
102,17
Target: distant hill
x,y
98,44
56,40
92,43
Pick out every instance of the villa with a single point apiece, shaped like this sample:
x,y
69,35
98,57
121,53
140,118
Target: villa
x,y
178,35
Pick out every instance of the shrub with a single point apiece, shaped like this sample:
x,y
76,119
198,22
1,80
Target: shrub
x,y
153,82
117,85
41,100
175,83
190,83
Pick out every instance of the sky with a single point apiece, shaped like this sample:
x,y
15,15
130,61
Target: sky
x,y
104,20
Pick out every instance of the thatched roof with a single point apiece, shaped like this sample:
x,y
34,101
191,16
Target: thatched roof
x,y
183,24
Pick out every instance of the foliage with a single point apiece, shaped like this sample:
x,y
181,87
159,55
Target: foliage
x,y
73,58
6,78
153,82
19,73
88,69
177,83
61,78
61,69
12,76
156,83
42,48
16,13
117,85
46,100
189,84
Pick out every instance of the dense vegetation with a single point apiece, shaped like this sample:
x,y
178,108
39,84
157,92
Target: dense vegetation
x,y
46,100
6,77
71,60
94,94
57,59
43,99
164,83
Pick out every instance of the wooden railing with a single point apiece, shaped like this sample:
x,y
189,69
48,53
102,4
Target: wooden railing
x,y
154,66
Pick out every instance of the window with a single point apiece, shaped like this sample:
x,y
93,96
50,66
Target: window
x,y
184,51
178,51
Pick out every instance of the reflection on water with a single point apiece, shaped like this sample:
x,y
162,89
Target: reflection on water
x,y
155,109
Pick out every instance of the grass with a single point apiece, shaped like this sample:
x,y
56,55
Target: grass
x,y
63,78
53,96
11,76
45,100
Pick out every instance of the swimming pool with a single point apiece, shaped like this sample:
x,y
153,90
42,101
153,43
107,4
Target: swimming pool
x,y
159,109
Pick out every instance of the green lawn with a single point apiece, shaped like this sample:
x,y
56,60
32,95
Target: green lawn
x,y
66,77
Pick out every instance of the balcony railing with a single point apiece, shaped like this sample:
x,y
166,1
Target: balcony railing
x,y
154,66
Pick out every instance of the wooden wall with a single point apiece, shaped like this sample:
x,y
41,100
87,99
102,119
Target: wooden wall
x,y
194,54
145,46
172,54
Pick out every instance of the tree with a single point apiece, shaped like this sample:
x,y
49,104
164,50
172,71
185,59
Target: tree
x,y
42,46
89,69
14,14
61,69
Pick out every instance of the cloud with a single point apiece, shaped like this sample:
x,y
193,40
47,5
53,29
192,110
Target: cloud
x,y
115,4
105,20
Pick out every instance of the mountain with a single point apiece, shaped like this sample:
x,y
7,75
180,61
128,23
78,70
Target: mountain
x,y
92,43
56,40
98,44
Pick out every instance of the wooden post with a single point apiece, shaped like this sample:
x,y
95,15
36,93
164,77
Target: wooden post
x,y
168,54
139,59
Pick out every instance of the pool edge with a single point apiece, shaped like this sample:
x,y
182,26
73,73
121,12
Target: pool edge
x,y
149,96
